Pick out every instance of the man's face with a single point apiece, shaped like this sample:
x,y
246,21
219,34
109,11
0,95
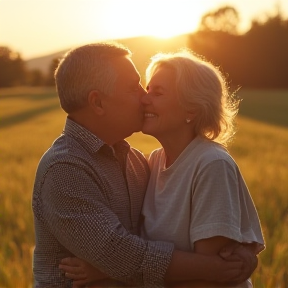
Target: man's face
x,y
123,106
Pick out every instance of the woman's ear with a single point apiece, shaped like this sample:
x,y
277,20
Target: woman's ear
x,y
95,102
189,116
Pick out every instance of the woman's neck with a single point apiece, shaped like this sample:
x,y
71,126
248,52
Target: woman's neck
x,y
173,147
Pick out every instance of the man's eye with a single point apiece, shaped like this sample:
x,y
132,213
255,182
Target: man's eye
x,y
135,88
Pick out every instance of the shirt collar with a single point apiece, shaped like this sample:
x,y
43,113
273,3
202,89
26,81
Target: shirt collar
x,y
90,140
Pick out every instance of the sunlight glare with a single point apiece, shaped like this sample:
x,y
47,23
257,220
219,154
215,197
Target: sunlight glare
x,y
173,18
161,19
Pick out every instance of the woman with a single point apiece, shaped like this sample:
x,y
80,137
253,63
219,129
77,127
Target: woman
x,y
196,196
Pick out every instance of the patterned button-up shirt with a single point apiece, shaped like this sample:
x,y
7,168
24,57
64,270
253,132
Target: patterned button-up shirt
x,y
87,201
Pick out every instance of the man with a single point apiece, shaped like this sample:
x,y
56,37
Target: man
x,y
90,184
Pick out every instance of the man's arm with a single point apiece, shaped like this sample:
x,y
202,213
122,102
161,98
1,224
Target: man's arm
x,y
83,224
213,246
184,266
203,267
79,217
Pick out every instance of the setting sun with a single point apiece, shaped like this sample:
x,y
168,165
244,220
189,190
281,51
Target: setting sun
x,y
161,19
170,18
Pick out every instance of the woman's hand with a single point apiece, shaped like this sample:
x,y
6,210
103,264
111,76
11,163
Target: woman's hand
x,y
80,271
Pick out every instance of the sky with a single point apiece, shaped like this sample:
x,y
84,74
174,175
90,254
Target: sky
x,y
37,28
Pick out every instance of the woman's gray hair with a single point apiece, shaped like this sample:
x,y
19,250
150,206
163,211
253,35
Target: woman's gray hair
x,y
203,91
84,69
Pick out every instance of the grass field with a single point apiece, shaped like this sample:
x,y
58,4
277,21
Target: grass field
x,y
31,119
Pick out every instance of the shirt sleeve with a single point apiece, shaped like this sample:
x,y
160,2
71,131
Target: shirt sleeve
x,y
216,203
79,217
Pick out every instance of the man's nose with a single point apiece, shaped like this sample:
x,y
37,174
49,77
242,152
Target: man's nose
x,y
145,98
143,91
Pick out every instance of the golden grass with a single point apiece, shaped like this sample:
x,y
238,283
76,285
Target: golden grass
x,y
28,129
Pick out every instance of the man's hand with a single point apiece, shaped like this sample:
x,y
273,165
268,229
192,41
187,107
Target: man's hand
x,y
246,253
80,271
187,266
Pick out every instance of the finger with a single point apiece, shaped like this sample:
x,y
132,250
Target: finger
x,y
234,258
71,261
232,271
241,275
73,271
247,270
75,276
79,283
248,257
254,262
70,269
230,276
228,250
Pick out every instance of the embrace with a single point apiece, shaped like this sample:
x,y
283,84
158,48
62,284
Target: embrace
x,y
105,216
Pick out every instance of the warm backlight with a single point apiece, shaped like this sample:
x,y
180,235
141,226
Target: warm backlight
x,y
161,19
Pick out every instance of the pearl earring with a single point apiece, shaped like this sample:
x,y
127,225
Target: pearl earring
x,y
188,121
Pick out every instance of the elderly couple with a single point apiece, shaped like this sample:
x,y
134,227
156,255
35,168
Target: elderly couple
x,y
105,216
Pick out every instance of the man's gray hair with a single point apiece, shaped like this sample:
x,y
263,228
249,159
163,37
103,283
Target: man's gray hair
x,y
84,69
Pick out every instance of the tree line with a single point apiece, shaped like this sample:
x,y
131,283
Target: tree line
x,y
13,71
255,59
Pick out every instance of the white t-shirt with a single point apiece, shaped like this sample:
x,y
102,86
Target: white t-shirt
x,y
201,195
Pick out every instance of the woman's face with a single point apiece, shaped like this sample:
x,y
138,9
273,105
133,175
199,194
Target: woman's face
x,y
164,116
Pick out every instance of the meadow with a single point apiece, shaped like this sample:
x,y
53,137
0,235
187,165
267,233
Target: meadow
x,y
31,119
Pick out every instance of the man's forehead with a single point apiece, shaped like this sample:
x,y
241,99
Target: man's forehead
x,y
126,68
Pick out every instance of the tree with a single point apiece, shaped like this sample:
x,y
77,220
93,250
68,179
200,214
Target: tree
x,y
35,77
256,59
225,19
12,68
265,47
50,77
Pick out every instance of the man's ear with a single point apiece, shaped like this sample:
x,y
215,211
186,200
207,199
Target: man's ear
x,y
95,102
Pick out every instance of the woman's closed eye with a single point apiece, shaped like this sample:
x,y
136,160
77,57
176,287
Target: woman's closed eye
x,y
157,91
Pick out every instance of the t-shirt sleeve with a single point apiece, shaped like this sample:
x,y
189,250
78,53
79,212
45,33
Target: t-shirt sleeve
x,y
222,206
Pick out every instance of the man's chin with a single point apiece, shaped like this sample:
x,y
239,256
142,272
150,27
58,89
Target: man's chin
x,y
132,132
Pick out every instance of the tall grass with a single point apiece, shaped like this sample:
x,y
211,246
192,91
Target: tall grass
x,y
31,120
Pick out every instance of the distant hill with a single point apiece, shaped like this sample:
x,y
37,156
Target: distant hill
x,y
142,48
42,63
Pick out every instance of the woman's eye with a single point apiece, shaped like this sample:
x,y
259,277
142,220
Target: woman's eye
x,y
157,93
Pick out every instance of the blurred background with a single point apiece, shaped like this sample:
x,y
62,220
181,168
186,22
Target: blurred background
x,y
247,39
